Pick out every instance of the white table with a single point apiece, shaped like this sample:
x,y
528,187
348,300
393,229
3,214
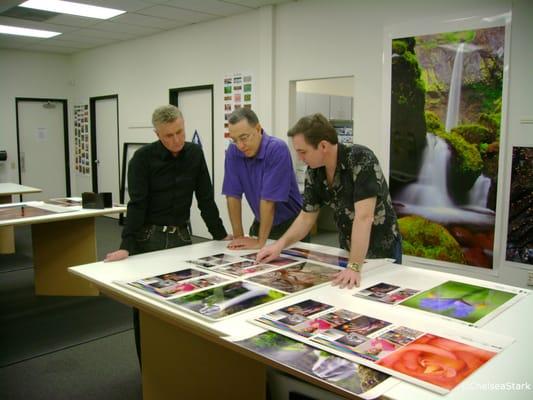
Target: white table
x,y
62,240
7,233
185,354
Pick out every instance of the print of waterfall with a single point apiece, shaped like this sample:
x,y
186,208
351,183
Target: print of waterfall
x,y
429,196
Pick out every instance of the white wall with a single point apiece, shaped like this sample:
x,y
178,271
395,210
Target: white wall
x,y
308,39
27,74
141,72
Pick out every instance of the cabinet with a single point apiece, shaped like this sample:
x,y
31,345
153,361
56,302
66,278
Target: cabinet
x,y
332,107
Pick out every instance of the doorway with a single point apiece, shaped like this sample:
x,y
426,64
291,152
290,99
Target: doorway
x,y
42,144
196,104
105,156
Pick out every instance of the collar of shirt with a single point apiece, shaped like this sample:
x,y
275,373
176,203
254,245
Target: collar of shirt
x,y
262,147
343,163
165,154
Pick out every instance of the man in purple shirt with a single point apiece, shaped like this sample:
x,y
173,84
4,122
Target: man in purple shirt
x,y
260,166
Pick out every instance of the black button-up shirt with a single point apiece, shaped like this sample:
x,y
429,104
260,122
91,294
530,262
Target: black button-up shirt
x,y
161,187
358,176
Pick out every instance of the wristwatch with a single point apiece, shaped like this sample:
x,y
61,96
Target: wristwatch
x,y
355,266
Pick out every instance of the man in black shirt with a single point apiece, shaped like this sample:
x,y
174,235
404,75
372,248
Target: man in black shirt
x,y
162,177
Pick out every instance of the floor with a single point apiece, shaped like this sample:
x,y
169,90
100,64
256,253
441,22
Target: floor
x,y
68,347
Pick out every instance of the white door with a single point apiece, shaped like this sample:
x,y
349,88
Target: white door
x,y
196,107
42,148
107,151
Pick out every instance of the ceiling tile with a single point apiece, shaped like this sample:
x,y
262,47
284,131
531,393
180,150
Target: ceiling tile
x,y
73,20
178,14
75,37
259,3
144,20
12,41
105,34
69,43
50,49
125,5
126,28
215,7
35,25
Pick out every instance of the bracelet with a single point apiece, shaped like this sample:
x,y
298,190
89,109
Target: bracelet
x,y
355,266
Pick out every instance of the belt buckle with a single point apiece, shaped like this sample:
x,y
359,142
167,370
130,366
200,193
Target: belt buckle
x,y
169,229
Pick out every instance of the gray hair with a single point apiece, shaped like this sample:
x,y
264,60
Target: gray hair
x,y
166,114
243,113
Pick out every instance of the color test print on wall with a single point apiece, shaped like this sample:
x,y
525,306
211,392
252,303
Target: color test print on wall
x,y
82,163
520,228
446,105
238,92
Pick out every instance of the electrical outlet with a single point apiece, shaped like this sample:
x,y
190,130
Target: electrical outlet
x,y
530,279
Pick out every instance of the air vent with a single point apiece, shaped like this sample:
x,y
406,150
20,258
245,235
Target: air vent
x,y
28,14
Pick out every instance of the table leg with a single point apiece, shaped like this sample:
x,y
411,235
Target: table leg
x,y
57,246
179,364
7,233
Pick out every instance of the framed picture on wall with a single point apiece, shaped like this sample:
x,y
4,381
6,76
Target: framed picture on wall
x,y
446,102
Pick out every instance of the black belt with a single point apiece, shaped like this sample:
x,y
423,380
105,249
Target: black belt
x,y
168,228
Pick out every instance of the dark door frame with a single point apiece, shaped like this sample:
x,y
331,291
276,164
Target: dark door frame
x,y
65,135
173,97
94,155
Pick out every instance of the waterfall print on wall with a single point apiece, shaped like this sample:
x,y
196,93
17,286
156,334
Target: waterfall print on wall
x,y
446,102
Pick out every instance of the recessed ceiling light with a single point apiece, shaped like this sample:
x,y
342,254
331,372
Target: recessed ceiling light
x,y
15,30
68,7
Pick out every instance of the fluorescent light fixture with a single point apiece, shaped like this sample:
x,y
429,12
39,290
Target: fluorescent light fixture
x,y
68,7
15,30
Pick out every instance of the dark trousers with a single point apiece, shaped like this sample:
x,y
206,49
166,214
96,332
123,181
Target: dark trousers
x,y
152,238
277,231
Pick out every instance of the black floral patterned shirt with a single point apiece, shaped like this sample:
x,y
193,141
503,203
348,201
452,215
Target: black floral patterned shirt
x,y
358,176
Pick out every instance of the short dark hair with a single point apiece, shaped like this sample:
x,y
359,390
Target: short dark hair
x,y
315,128
243,113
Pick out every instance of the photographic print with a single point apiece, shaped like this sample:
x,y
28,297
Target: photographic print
x,y
294,318
296,278
223,301
243,268
363,325
385,293
401,335
520,227
278,262
214,260
169,283
446,116
320,364
460,301
436,360
316,256
375,349
17,212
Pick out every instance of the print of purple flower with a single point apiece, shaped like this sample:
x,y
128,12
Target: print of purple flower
x,y
459,308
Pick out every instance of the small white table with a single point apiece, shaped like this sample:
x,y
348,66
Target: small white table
x,y
61,240
182,353
7,233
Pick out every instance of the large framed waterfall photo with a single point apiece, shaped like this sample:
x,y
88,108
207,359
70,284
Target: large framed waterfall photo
x,y
446,130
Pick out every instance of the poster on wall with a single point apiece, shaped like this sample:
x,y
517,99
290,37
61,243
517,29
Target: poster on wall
x,y
239,92
519,233
446,118
82,163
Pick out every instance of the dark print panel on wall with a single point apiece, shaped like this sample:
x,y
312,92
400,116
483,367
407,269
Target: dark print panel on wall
x,y
520,228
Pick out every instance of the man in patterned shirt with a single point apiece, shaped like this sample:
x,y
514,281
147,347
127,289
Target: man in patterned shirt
x,y
350,181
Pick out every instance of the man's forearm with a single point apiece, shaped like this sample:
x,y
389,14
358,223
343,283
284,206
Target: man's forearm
x,y
299,228
235,215
266,210
361,229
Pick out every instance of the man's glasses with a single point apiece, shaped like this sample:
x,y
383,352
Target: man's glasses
x,y
242,139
